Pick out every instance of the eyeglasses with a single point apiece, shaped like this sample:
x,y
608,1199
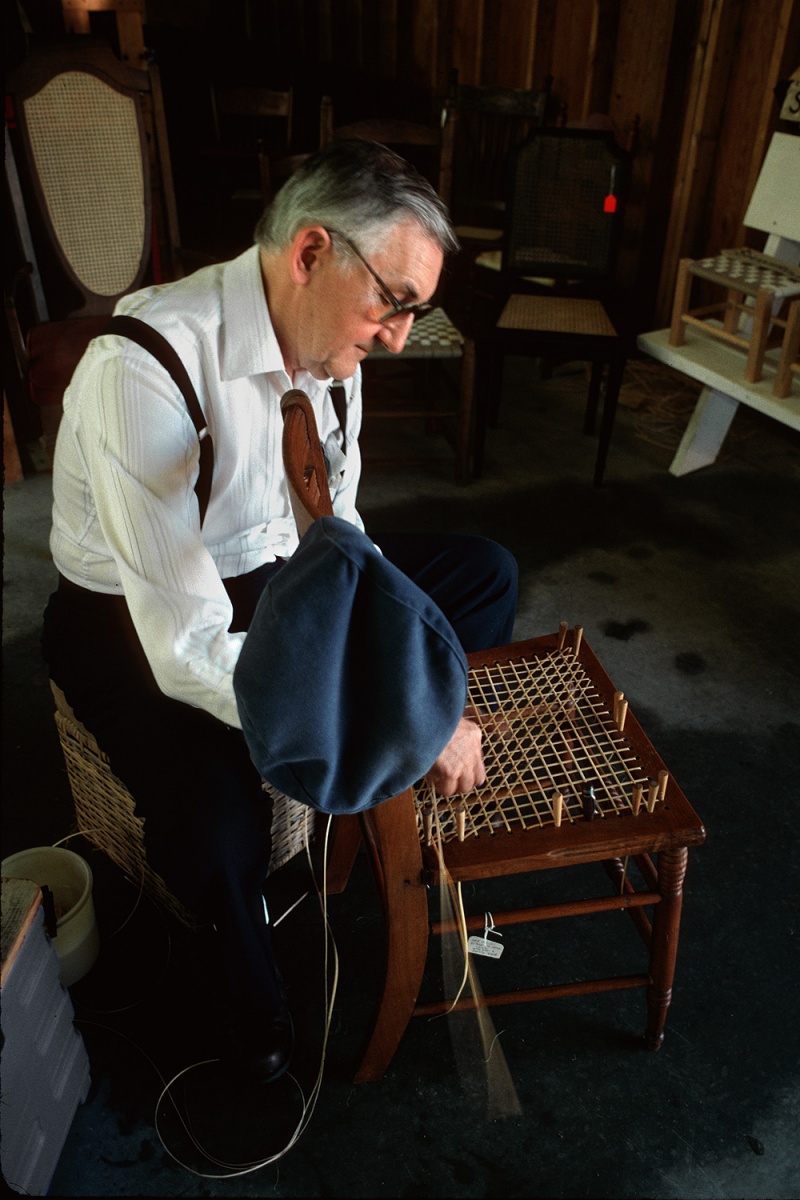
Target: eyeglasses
x,y
398,309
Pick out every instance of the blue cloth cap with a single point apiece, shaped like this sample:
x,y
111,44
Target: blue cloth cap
x,y
351,680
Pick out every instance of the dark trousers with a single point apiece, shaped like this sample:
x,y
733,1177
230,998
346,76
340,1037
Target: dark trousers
x,y
207,819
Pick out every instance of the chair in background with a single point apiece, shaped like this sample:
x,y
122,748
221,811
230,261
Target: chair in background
x,y
435,343
480,128
559,296
253,129
86,187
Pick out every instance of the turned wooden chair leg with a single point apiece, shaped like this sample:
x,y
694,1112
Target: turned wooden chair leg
x,y
392,838
664,944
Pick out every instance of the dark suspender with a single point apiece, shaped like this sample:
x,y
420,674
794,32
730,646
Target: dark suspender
x,y
339,398
157,345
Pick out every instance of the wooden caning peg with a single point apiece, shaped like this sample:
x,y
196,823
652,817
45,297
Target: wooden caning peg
x,y
620,710
562,634
427,822
461,820
652,794
558,808
578,638
663,776
638,789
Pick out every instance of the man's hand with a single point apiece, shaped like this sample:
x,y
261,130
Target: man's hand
x,y
459,767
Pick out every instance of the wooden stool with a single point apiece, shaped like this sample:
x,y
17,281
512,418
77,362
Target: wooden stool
x,y
571,778
789,362
436,339
742,273
106,813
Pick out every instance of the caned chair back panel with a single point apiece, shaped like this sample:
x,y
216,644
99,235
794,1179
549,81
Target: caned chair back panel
x,y
106,815
566,197
80,120
481,127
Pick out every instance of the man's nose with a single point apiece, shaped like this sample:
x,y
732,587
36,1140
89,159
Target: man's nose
x,y
394,334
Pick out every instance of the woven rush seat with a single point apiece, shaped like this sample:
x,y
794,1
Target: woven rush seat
x,y
106,813
769,283
556,315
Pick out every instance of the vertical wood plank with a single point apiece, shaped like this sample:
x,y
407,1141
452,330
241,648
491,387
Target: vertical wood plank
x,y
467,44
516,34
714,45
744,129
425,44
638,89
572,33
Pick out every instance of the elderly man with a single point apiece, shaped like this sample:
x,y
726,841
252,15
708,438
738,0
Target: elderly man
x,y
153,605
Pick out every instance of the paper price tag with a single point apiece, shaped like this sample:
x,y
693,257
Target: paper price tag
x,y
479,945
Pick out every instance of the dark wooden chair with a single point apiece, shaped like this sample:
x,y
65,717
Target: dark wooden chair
x,y
85,178
558,296
571,779
438,356
480,128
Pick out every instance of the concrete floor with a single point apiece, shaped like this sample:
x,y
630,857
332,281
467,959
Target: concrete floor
x,y
687,590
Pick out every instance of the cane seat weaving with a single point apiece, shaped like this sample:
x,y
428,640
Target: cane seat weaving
x,y
106,812
436,338
571,779
741,273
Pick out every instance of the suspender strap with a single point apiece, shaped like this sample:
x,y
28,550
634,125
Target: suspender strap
x,y
157,345
339,398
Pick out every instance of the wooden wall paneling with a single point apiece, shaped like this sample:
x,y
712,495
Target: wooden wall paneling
x,y
572,35
544,32
600,55
517,39
742,142
387,39
325,30
467,40
711,61
425,46
644,37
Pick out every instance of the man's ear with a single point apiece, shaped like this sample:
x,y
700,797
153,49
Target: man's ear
x,y
309,249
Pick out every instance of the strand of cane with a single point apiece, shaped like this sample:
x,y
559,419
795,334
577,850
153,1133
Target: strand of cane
x,y
233,1170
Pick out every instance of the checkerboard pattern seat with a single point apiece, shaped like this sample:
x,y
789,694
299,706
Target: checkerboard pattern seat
x,y
756,288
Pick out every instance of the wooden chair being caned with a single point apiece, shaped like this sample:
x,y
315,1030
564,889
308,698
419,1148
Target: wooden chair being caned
x,y
571,779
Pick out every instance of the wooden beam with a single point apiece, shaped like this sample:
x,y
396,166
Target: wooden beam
x,y
707,88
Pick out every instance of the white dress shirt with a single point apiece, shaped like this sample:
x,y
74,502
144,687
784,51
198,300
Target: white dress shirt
x,y
125,514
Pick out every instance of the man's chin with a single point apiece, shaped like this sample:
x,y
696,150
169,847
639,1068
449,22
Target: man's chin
x,y
342,367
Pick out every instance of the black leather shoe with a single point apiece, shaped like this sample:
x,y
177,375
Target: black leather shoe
x,y
263,1048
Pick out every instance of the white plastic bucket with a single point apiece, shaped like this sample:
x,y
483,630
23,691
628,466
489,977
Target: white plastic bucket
x,y
69,878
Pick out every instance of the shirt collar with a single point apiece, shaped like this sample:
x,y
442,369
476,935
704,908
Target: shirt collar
x,y
253,347
250,346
